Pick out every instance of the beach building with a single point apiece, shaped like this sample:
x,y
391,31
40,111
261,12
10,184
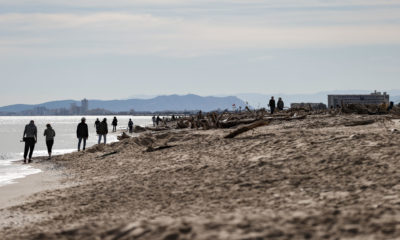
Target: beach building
x,y
374,98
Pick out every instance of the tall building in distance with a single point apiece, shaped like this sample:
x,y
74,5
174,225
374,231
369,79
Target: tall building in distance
x,y
373,98
84,106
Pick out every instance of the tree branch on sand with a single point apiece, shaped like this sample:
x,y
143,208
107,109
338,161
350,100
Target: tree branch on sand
x,y
246,128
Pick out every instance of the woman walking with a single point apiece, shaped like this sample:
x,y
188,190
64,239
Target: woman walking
x,y
50,134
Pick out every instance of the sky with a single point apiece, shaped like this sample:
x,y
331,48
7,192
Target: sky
x,y
72,49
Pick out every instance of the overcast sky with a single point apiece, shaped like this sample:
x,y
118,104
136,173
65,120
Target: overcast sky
x,y
71,49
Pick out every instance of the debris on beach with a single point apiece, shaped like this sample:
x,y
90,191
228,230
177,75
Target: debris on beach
x,y
291,175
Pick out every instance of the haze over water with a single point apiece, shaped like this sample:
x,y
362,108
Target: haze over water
x,y
12,128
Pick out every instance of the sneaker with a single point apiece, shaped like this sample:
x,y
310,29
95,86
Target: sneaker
x,y
29,161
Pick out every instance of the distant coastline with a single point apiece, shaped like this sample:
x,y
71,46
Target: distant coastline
x,y
172,104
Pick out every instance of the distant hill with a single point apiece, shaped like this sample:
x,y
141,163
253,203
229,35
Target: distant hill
x,y
161,103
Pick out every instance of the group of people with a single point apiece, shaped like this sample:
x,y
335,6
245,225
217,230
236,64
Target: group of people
x,y
82,133
30,139
156,120
272,105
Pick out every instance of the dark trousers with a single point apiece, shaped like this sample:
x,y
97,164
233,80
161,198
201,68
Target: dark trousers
x,y
79,143
130,129
29,146
114,128
272,110
49,144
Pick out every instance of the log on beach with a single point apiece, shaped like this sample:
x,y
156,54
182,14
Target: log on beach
x,y
244,129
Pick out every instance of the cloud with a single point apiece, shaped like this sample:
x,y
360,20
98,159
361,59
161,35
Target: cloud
x,y
191,29
122,33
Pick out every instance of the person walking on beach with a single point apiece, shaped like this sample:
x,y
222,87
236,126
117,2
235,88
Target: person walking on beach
x,y
130,125
96,124
49,133
158,120
30,139
280,104
154,120
114,124
272,104
103,131
82,133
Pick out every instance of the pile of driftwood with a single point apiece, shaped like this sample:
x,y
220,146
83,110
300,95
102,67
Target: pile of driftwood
x,y
370,109
232,119
250,118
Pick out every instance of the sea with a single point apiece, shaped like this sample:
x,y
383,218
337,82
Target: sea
x,y
12,128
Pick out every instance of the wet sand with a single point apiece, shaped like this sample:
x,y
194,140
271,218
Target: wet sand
x,y
18,192
306,179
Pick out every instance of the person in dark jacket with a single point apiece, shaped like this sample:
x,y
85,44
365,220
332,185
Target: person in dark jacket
x,y
272,105
130,125
30,139
82,133
114,124
103,131
50,134
158,120
280,104
96,125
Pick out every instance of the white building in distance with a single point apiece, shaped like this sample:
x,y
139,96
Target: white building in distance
x,y
374,98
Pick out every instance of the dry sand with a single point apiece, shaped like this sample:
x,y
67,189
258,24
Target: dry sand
x,y
304,179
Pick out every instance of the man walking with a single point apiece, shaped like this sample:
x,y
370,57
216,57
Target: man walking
x,y
280,104
130,125
272,105
114,124
97,124
30,139
82,133
103,131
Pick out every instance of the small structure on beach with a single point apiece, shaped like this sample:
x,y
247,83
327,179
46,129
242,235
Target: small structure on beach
x,y
374,98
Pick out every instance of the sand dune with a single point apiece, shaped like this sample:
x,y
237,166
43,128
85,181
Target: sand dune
x,y
308,179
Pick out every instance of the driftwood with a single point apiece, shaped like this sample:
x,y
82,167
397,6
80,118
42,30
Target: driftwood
x,y
241,130
138,129
359,123
123,136
157,129
107,154
153,149
233,123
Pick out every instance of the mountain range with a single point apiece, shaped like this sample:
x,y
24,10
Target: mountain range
x,y
188,102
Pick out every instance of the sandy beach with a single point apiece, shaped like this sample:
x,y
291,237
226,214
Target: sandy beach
x,y
313,178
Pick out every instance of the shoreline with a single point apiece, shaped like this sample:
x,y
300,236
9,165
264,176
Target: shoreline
x,y
18,191
43,155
